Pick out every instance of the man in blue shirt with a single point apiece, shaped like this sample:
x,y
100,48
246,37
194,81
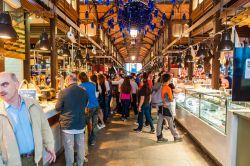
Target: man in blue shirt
x,y
21,126
24,129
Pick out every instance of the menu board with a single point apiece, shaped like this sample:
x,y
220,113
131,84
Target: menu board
x,y
241,74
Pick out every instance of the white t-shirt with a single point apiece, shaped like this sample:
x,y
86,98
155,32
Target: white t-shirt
x,y
134,86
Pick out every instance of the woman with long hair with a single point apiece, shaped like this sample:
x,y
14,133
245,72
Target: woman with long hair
x,y
125,97
144,96
93,78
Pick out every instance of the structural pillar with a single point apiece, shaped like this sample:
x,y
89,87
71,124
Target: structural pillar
x,y
215,60
169,41
2,68
190,70
26,62
1,43
54,62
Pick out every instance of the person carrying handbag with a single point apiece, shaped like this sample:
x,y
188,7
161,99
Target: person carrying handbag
x,y
165,111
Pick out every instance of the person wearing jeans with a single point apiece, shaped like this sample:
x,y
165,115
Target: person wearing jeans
x,y
71,105
125,97
69,140
125,108
144,106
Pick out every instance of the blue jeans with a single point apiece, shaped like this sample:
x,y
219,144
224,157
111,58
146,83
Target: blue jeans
x,y
107,104
93,113
69,140
145,110
125,108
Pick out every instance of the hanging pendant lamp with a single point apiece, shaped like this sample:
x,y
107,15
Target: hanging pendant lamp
x,y
226,44
202,51
65,49
78,54
7,32
44,41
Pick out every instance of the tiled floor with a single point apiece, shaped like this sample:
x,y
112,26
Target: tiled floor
x,y
118,145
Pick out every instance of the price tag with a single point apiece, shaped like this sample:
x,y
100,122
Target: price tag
x,y
31,93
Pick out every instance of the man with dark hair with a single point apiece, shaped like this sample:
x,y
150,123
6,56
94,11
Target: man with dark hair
x,y
165,110
24,129
71,105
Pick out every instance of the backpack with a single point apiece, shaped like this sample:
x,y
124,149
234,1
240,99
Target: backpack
x,y
156,97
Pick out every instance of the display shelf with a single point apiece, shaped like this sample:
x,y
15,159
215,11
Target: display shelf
x,y
206,105
211,106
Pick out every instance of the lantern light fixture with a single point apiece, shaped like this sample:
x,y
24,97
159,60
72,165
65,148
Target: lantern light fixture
x,y
7,32
65,49
44,41
226,44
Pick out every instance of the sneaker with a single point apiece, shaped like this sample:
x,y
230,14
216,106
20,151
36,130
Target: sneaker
x,y
99,127
137,130
152,131
125,119
178,139
102,126
122,118
162,140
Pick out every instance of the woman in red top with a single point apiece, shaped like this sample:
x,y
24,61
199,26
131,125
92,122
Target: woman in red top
x,y
125,97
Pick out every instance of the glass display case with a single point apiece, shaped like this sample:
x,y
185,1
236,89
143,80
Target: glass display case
x,y
211,107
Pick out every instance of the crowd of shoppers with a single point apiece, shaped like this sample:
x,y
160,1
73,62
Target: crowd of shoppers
x,y
84,108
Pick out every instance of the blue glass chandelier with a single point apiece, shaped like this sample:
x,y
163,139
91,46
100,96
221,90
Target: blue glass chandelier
x,y
135,15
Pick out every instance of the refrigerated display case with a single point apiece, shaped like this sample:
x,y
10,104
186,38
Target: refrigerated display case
x,y
209,107
208,115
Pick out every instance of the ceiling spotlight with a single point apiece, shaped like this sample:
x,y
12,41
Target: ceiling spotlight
x,y
226,44
65,50
202,51
132,58
133,32
6,29
44,41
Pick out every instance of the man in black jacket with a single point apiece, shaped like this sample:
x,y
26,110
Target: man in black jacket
x,y
71,104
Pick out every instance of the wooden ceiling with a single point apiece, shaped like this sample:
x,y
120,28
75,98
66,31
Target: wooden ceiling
x,y
128,46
